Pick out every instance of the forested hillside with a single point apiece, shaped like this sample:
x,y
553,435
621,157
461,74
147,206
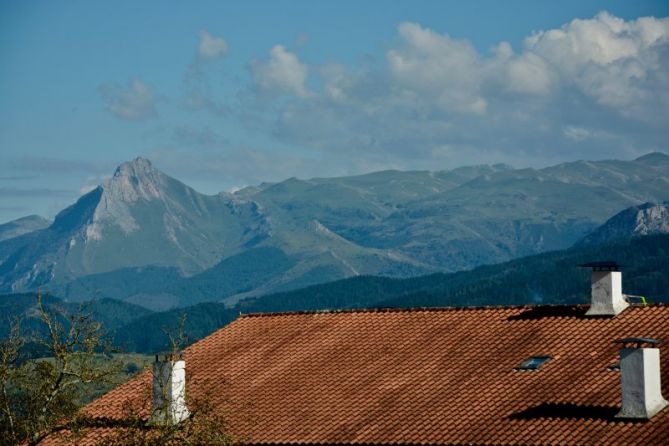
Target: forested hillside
x,y
550,278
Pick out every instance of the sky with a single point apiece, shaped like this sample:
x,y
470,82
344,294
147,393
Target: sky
x,y
226,94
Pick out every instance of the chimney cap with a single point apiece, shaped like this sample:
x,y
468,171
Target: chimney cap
x,y
638,341
606,265
165,357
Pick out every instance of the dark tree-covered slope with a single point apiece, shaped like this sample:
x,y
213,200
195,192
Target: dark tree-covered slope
x,y
549,278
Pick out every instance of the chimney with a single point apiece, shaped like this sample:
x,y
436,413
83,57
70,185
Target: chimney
x,y
169,390
640,378
606,283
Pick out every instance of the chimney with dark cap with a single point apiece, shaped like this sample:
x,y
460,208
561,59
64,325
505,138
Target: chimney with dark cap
x,y
606,285
640,378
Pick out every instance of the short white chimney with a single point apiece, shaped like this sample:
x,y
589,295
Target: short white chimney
x,y
640,378
606,285
169,390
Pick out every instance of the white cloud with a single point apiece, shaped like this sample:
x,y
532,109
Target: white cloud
x,y
133,102
618,63
431,100
578,134
437,68
211,47
283,72
528,73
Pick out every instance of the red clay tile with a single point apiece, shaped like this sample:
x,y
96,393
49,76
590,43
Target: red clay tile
x,y
428,376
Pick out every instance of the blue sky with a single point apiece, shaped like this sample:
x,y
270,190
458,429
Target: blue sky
x,y
226,94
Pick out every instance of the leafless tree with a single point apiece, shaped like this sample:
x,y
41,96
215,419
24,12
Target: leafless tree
x,y
42,398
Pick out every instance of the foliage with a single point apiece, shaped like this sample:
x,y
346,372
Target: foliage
x,y
111,313
36,395
205,426
43,398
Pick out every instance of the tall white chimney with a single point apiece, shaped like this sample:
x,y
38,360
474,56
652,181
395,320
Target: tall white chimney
x,y
606,285
640,378
169,390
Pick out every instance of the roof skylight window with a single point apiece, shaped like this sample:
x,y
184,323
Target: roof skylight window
x,y
533,363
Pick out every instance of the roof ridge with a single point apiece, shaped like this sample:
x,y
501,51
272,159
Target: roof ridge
x,y
420,309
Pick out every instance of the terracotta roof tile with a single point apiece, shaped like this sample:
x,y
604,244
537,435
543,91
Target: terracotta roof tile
x,y
423,376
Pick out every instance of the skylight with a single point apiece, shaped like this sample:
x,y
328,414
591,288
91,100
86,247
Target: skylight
x,y
533,363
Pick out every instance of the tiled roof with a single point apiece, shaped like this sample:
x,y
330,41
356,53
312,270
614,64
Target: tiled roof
x,y
428,376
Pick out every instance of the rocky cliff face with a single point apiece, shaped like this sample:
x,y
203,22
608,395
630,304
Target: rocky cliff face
x,y
645,219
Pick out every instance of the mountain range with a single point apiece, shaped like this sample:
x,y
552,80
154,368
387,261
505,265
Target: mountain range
x,y
149,239
549,278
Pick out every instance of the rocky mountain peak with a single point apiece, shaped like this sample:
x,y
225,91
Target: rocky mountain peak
x,y
137,167
652,219
644,219
134,180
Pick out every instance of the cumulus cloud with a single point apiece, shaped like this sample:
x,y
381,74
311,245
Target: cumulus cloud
x,y
618,63
198,94
430,100
132,102
578,134
433,66
604,81
211,47
527,73
283,73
